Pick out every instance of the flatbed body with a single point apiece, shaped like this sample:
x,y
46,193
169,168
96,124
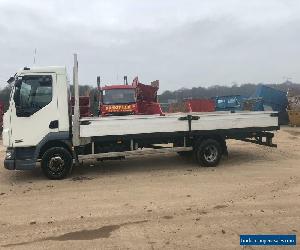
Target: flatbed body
x,y
173,132
178,122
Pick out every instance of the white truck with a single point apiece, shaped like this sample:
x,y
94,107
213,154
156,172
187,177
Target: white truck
x,y
39,127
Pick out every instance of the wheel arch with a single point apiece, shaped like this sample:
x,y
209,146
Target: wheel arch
x,y
55,139
219,138
54,143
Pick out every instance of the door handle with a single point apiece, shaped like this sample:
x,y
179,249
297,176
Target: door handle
x,y
53,124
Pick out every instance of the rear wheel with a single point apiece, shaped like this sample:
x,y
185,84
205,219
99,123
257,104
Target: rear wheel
x,y
57,163
208,153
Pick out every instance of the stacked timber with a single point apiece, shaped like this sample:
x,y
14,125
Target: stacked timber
x,y
294,110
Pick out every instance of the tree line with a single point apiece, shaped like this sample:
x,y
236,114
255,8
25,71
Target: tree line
x,y
245,90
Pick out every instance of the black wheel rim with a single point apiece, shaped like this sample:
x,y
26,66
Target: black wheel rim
x,y
56,164
210,153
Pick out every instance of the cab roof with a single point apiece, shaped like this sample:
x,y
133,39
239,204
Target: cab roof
x,y
60,70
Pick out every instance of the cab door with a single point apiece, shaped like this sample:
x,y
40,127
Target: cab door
x,y
35,110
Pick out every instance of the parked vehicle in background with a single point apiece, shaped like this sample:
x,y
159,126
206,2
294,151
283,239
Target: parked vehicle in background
x,y
193,105
84,106
263,99
134,99
229,103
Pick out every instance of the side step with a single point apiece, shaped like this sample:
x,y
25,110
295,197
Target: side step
x,y
137,152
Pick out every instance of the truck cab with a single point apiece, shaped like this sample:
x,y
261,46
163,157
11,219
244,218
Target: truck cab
x,y
118,100
38,113
134,99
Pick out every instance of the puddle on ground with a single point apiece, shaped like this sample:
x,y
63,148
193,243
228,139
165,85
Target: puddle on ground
x,y
168,217
102,232
220,206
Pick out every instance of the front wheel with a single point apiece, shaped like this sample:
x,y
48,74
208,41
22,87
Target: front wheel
x,y
57,163
208,153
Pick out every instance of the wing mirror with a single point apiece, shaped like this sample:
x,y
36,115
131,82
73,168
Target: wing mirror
x,y
17,92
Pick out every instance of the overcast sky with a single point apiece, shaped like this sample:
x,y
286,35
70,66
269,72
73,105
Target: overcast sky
x,y
183,43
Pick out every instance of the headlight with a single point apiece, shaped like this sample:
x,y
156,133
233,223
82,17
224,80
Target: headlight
x,y
9,155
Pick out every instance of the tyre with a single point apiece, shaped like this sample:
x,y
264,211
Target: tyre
x,y
57,163
208,153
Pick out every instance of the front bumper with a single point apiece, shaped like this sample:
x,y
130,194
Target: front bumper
x,y
9,164
20,159
19,164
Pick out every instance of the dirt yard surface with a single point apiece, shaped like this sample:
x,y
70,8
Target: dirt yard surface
x,y
156,202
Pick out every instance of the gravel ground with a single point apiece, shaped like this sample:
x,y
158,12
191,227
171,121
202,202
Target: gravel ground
x,y
156,202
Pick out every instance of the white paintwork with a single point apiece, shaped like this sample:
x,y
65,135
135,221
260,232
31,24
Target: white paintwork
x,y
31,130
229,120
76,116
59,70
126,125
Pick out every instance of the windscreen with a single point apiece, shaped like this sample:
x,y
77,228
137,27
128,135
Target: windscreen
x,y
32,93
118,96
